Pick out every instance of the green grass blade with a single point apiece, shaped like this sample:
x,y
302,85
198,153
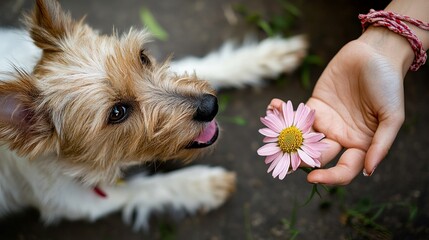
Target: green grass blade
x,y
152,25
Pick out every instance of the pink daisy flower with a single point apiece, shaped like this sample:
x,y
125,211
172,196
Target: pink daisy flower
x,y
289,139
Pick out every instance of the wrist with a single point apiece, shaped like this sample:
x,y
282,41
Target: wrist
x,y
393,46
416,9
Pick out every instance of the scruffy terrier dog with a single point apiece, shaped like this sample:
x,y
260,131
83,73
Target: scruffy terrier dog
x,y
77,108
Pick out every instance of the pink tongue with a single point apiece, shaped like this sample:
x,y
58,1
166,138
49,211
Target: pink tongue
x,y
207,133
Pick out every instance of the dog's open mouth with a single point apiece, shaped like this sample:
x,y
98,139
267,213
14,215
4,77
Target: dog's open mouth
x,y
207,137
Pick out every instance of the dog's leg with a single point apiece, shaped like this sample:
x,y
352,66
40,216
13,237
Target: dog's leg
x,y
248,64
187,190
191,189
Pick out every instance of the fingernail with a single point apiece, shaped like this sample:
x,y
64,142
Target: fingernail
x,y
366,174
373,170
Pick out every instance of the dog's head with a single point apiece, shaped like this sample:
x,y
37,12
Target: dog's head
x,y
100,103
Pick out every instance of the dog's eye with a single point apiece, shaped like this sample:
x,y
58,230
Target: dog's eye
x,y
144,58
119,113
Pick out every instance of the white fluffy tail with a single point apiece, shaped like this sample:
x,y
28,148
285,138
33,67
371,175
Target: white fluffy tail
x,y
248,64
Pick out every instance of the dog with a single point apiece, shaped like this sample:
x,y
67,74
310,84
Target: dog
x,y
78,108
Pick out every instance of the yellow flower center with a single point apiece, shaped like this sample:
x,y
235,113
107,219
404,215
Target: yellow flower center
x,y
290,139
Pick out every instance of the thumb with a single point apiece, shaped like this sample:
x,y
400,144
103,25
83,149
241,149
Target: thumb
x,y
382,141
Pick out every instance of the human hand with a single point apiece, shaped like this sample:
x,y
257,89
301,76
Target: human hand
x,y
359,103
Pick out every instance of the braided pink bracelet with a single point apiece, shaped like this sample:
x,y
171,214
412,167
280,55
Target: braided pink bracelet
x,y
394,22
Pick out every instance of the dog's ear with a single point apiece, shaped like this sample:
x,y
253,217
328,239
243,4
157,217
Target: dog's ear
x,y
24,124
48,23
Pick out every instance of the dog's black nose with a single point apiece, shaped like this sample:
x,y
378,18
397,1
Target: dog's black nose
x,y
207,108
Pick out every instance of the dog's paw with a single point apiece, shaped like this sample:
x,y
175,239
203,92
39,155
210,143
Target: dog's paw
x,y
223,185
213,187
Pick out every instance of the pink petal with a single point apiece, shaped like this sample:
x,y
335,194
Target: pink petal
x,y
284,161
275,162
272,124
270,139
283,113
285,170
274,111
308,122
313,137
317,146
279,165
279,115
268,149
295,161
310,151
268,132
298,114
271,157
301,114
307,159
288,113
276,119
318,164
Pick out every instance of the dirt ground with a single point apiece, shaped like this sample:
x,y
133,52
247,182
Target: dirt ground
x,y
393,204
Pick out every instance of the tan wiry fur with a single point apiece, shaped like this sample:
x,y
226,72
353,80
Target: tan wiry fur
x,y
65,102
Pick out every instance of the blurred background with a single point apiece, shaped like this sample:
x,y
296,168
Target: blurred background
x,y
392,204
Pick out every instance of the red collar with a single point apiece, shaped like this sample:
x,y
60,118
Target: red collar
x,y
97,190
